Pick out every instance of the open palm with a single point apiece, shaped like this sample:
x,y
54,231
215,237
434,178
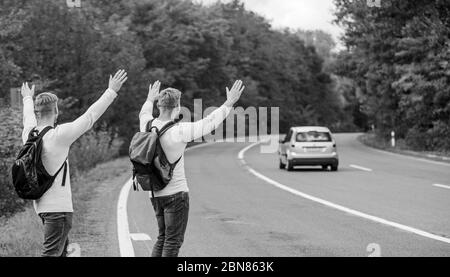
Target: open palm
x,y
234,93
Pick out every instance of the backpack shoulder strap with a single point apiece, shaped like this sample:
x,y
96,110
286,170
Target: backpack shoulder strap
x,y
166,128
65,174
149,125
64,166
175,163
45,130
35,133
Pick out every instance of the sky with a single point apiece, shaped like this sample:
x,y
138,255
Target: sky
x,y
303,14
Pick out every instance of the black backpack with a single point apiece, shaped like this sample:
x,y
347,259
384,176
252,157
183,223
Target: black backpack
x,y
30,179
151,168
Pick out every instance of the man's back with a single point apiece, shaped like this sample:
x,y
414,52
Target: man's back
x,y
171,205
56,145
174,149
175,140
54,153
55,207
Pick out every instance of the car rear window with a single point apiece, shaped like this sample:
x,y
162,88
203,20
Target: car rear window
x,y
313,136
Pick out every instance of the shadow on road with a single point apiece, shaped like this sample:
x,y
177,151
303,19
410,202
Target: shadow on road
x,y
320,170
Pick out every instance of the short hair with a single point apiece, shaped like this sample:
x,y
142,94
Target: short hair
x,y
169,98
45,104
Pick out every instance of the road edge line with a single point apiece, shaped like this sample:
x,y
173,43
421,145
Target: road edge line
x,y
123,229
441,186
126,248
381,151
241,157
361,168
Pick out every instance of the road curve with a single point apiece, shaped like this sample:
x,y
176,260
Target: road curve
x,y
233,213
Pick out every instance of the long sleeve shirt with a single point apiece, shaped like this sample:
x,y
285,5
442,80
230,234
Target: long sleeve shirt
x,y
175,140
56,145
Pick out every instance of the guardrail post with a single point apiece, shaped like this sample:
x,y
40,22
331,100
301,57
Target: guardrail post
x,y
15,99
393,139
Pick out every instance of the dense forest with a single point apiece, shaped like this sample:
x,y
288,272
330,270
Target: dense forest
x,y
397,58
198,49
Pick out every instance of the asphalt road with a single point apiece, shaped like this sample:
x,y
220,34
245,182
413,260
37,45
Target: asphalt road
x,y
234,213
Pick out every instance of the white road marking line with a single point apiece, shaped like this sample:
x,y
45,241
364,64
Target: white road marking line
x,y
123,228
441,186
336,206
409,157
140,237
361,168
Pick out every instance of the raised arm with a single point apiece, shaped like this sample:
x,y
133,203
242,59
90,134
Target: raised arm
x,y
29,118
146,113
69,132
192,131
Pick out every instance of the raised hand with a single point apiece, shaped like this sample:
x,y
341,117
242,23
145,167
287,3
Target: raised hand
x,y
153,91
26,90
234,93
116,82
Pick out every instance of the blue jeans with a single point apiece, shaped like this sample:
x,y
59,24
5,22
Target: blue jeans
x,y
56,233
172,214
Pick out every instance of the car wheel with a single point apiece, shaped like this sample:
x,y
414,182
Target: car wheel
x,y
282,165
289,165
334,168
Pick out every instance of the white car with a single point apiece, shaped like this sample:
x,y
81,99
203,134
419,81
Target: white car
x,y
308,146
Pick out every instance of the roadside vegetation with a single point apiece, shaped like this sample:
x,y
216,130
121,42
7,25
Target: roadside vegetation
x,y
195,48
20,228
397,62
401,147
94,194
95,147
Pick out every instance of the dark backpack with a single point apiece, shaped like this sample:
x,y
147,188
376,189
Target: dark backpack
x,y
151,168
30,179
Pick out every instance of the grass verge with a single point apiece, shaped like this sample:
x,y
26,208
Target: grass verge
x,y
373,141
94,197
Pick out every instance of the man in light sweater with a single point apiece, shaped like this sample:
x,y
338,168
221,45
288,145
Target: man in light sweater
x,y
171,204
55,206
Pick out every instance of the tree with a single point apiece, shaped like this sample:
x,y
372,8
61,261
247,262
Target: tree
x,y
73,53
396,55
322,41
10,141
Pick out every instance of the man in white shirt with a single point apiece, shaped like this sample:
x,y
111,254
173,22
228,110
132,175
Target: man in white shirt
x,y
55,206
171,204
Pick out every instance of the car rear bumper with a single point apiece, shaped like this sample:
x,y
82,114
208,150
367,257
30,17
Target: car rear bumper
x,y
315,161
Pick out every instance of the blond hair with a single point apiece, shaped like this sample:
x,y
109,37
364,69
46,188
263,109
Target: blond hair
x,y
169,98
45,104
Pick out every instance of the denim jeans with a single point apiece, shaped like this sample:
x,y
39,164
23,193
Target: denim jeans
x,y
56,233
172,215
